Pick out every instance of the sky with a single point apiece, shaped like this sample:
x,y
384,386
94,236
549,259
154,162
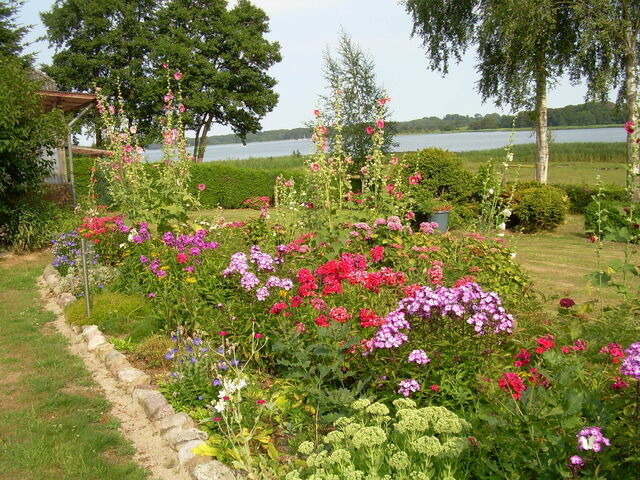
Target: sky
x,y
382,28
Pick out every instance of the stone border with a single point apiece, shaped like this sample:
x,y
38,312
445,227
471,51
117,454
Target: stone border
x,y
177,429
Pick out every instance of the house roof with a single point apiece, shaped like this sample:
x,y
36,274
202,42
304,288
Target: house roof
x,y
67,101
91,152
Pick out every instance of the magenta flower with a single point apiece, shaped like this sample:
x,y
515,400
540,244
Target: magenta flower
x,y
591,438
370,130
201,186
631,363
567,303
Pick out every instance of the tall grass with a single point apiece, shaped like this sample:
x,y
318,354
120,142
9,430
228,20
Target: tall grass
x,y
558,153
287,162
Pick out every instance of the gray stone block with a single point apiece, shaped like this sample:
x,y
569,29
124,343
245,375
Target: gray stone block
x,y
185,454
66,299
178,438
213,470
177,422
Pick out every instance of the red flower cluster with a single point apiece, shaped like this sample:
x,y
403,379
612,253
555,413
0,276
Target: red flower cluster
x,y
512,383
619,384
308,285
298,245
257,202
615,350
369,318
339,314
522,358
377,253
545,343
577,346
93,227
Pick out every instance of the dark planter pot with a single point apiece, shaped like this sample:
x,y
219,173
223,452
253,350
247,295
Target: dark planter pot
x,y
442,219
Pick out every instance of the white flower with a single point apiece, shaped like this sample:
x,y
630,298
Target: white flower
x,y
502,226
491,191
122,245
513,255
510,157
132,233
506,212
220,406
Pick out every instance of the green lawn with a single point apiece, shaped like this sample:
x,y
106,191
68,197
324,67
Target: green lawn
x,y
558,261
54,422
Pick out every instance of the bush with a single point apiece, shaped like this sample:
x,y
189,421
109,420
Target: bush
x,y
117,314
581,195
229,186
34,223
613,218
539,209
443,177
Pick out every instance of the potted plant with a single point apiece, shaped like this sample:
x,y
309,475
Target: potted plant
x,y
440,214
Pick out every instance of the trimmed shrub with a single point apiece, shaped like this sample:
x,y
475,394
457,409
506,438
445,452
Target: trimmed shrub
x,y
443,177
614,216
581,195
538,209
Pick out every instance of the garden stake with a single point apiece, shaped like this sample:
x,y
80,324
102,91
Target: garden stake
x,y
85,275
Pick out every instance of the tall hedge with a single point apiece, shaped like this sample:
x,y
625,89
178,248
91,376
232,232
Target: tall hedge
x,y
227,186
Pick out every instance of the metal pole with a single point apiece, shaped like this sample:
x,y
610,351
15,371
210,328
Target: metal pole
x,y
71,172
70,145
85,275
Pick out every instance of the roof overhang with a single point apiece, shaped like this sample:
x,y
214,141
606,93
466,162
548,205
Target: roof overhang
x,y
67,101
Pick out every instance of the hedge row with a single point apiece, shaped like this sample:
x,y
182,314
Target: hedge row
x,y
226,186
581,195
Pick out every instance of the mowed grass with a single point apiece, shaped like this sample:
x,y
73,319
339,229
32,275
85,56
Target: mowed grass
x,y
559,261
54,422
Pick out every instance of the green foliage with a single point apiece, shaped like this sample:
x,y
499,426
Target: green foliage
x,y
33,223
580,196
225,57
117,314
538,208
10,33
228,186
106,43
26,132
605,218
443,178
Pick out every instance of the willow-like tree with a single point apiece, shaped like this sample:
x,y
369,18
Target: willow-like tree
x,y
523,46
224,56
608,58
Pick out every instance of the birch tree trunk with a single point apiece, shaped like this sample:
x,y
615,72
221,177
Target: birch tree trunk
x,y
631,94
542,139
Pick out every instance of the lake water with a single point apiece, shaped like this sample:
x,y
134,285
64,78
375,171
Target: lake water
x,y
457,142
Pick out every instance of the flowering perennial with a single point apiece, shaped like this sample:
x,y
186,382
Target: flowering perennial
x,y
631,363
591,438
484,310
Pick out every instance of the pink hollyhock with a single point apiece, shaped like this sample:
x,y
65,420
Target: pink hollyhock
x,y
413,180
370,130
316,113
383,101
380,123
393,160
630,127
315,167
177,76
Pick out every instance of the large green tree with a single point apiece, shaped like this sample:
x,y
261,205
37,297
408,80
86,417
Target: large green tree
x,y
26,132
224,57
608,58
105,43
10,33
523,46
352,71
